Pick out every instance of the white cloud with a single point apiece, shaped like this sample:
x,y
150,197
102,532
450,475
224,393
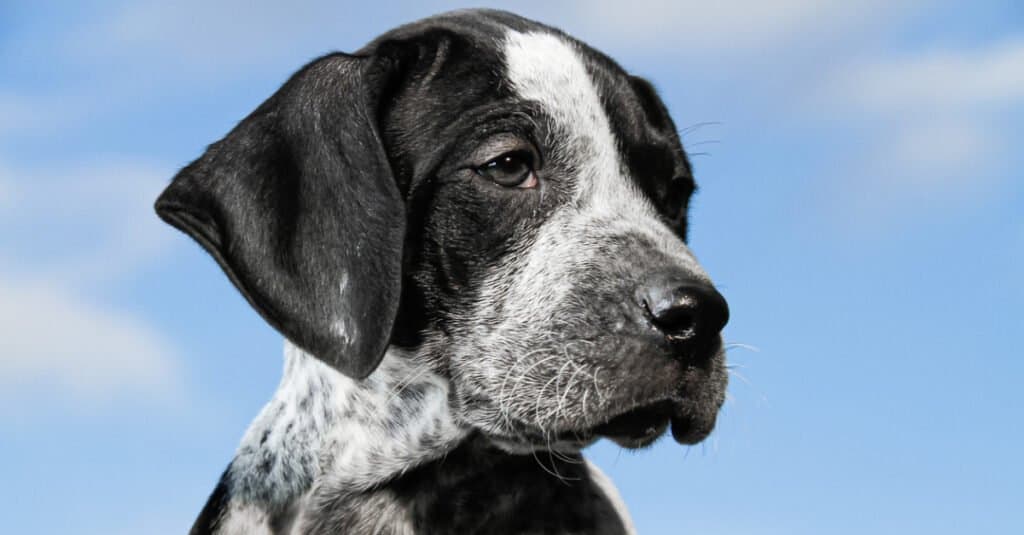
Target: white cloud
x,y
935,124
33,114
89,221
711,29
121,54
941,81
928,149
915,168
217,41
118,53
54,339
213,40
67,232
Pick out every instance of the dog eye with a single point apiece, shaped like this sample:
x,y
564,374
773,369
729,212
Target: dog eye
x,y
512,170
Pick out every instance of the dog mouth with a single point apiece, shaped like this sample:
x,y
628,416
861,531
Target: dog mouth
x,y
639,405
642,426
639,427
635,428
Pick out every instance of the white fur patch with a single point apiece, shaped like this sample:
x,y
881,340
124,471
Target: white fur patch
x,y
343,325
394,433
548,70
244,519
545,68
324,427
605,484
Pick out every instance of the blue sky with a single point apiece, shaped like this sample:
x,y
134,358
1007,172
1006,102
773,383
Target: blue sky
x,y
861,208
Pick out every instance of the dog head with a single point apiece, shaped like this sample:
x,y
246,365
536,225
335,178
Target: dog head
x,y
493,193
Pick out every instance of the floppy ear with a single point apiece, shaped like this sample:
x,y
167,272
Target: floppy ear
x,y
299,207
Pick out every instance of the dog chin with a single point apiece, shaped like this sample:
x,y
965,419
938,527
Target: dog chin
x,y
530,445
643,426
637,428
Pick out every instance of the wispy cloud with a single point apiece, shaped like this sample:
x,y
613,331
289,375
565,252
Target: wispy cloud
x,y
935,125
718,29
945,81
60,342
66,233
33,114
214,41
120,54
81,222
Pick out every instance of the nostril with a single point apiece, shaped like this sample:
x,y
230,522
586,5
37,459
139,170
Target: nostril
x,y
676,322
685,311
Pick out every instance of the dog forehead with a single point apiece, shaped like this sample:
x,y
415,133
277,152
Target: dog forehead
x,y
551,70
546,68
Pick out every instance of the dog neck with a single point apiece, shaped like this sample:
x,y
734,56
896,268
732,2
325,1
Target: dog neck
x,y
319,454
325,430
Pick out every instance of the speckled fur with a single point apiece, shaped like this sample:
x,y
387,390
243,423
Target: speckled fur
x,y
519,332
384,456
342,433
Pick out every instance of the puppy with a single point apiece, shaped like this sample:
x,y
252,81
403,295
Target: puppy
x,y
472,234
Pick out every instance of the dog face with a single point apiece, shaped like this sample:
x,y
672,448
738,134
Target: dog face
x,y
493,194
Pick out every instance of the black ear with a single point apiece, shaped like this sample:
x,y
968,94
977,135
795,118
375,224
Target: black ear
x,y
299,207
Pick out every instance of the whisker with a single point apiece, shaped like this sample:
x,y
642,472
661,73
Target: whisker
x,y
540,394
739,376
697,126
597,390
565,457
737,345
568,388
554,470
400,387
518,381
541,465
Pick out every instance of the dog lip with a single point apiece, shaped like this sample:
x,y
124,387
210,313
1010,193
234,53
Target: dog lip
x,y
689,430
642,426
639,426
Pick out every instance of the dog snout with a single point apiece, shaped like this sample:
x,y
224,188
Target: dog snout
x,y
686,311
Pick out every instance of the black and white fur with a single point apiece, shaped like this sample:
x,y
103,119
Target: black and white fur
x,y
452,343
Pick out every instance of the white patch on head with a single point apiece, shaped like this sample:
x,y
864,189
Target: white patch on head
x,y
548,69
545,68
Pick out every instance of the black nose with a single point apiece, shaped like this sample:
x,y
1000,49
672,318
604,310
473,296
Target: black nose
x,y
685,310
